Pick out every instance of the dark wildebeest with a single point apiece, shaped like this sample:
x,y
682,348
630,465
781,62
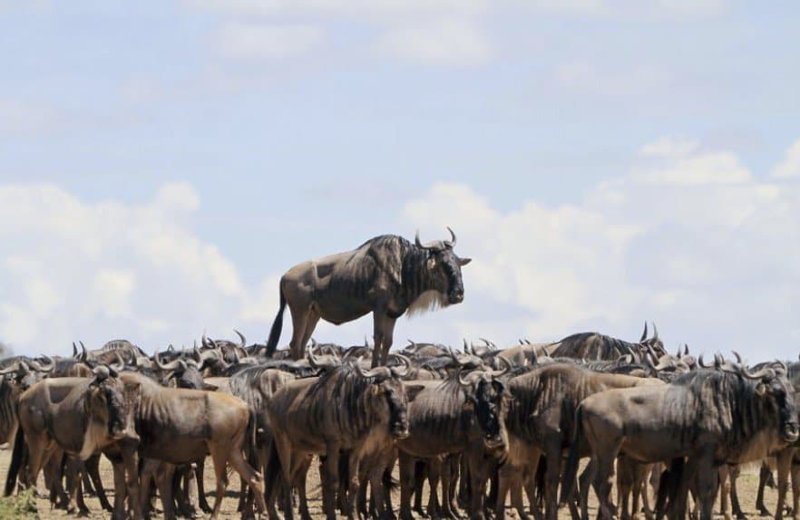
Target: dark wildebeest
x,y
16,378
711,417
386,275
461,414
594,346
80,416
345,409
540,420
180,426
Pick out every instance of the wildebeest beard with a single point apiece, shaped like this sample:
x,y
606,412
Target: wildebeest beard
x,y
489,409
115,406
428,289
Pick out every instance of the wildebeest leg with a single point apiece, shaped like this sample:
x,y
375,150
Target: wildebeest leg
x,y
164,483
353,466
92,471
510,477
406,466
763,476
120,492
300,485
625,479
202,501
130,461
795,487
73,484
707,478
553,457
383,335
736,507
418,482
584,485
447,497
330,480
476,463
434,471
253,478
301,312
724,490
784,462
455,467
149,468
641,471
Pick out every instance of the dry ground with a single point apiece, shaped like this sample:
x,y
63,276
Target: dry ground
x,y
748,483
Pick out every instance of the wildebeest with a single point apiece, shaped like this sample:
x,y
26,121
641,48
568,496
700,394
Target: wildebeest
x,y
386,275
79,416
540,421
595,346
463,413
345,409
710,417
181,426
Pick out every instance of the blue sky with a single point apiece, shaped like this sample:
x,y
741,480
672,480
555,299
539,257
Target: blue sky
x,y
161,164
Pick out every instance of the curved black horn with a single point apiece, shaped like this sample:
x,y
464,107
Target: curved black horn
x,y
644,334
401,372
74,350
452,242
764,372
241,337
655,331
119,366
172,365
502,371
11,368
461,381
737,356
700,362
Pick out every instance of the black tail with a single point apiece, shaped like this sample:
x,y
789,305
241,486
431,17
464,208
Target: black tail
x,y
277,326
573,460
17,456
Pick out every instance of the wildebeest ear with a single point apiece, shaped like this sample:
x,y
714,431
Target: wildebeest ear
x,y
761,389
412,391
431,262
464,261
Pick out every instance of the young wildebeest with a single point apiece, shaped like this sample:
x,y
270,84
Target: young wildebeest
x,y
386,275
710,417
80,416
345,409
464,413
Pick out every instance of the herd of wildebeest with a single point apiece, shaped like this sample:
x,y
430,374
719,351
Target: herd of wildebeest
x,y
483,426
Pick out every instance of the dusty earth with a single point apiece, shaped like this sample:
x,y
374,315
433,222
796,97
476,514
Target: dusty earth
x,y
748,483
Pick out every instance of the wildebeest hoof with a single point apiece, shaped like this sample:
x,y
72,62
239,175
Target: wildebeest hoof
x,y
763,511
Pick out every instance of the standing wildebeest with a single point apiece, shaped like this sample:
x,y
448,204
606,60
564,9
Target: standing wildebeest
x,y
386,275
80,416
710,417
181,426
463,413
540,421
345,409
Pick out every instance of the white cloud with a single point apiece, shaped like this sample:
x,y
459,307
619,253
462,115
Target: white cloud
x,y
267,42
711,261
678,162
93,271
446,42
789,167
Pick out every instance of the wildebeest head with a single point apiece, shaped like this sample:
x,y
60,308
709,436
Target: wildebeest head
x,y
23,374
444,267
775,388
393,407
487,394
113,402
